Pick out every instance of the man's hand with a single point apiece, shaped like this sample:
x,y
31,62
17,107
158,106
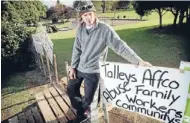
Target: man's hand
x,y
72,73
145,63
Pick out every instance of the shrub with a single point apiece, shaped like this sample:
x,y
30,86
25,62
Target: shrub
x,y
15,52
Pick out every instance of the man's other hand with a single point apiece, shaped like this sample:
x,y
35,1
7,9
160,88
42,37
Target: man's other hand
x,y
145,63
72,73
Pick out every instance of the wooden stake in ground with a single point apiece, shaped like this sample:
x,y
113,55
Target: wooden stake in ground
x,y
55,68
104,108
47,60
67,70
42,62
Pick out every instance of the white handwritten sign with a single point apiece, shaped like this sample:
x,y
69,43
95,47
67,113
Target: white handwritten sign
x,y
41,40
157,92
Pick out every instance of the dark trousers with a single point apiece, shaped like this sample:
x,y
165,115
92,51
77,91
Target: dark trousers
x,y
90,85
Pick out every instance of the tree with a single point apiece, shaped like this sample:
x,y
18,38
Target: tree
x,y
15,39
140,10
123,4
183,8
22,11
68,13
103,6
175,11
147,6
60,11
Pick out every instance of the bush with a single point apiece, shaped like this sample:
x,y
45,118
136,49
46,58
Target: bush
x,y
15,52
12,35
124,16
118,17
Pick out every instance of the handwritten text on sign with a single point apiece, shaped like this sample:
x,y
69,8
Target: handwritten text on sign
x,y
157,92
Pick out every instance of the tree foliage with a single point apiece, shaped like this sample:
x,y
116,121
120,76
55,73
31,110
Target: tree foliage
x,y
123,4
15,39
60,11
22,11
178,8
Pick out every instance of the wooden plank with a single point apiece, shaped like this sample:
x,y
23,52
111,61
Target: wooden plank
x,y
29,116
62,104
63,94
13,120
45,109
61,91
37,115
22,118
60,115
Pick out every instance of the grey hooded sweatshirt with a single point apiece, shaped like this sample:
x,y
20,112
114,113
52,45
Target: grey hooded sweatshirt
x,y
89,45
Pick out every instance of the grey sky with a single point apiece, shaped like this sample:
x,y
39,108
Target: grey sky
x,y
50,3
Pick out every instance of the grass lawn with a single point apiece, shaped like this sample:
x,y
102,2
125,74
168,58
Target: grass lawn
x,y
14,100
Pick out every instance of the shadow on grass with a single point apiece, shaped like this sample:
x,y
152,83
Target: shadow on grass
x,y
33,99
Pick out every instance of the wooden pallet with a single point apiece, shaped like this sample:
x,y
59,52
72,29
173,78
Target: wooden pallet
x,y
55,105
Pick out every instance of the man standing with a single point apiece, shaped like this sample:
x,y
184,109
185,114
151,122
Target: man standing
x,y
92,37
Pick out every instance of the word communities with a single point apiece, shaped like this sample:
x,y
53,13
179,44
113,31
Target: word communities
x,y
161,112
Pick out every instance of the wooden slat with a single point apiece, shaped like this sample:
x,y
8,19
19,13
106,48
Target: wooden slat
x,y
13,120
63,94
37,115
62,104
22,118
45,109
60,115
29,116
61,91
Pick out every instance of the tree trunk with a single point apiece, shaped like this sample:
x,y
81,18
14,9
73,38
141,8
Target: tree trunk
x,y
181,17
160,17
187,15
175,17
103,10
103,6
188,20
175,20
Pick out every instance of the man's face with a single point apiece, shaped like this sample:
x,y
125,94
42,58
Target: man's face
x,y
89,18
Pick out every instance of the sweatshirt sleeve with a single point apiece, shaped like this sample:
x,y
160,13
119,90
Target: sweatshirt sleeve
x,y
120,47
76,52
